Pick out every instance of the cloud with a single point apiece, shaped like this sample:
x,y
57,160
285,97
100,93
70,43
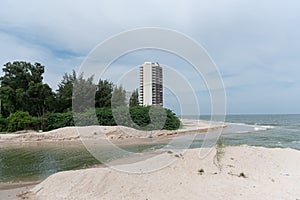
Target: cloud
x,y
254,44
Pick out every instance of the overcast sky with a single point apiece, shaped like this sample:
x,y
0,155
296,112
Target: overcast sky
x,y
254,44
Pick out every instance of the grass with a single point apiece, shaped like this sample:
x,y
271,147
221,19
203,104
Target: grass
x,y
219,154
242,174
179,156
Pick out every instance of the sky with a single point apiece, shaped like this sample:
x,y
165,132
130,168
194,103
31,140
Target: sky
x,y
255,45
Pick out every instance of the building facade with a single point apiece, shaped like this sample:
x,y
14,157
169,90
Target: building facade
x,y
151,84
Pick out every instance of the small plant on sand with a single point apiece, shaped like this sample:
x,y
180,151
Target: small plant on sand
x,y
179,156
242,174
169,152
200,171
219,154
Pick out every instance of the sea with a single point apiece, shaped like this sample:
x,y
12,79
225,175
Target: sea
x,y
27,163
282,131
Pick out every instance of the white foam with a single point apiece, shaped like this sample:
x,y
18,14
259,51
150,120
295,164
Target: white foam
x,y
262,128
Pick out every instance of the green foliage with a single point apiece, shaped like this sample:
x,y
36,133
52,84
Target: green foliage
x,y
118,98
28,103
134,99
200,171
219,153
58,120
135,117
86,118
172,121
242,174
22,121
22,89
40,97
83,94
103,94
105,117
3,124
139,117
65,92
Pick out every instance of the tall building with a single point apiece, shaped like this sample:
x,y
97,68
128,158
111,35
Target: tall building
x,y
151,84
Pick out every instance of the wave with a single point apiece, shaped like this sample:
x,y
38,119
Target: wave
x,y
247,128
262,128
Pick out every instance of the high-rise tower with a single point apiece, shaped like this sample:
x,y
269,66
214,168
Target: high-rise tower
x,y
151,84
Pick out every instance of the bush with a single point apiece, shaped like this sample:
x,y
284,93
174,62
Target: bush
x,y
105,117
138,117
172,121
3,124
22,121
58,120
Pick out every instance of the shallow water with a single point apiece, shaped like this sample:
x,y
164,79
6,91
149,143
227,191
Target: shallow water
x,y
31,162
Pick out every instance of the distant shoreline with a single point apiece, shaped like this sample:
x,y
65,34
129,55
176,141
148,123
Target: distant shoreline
x,y
116,134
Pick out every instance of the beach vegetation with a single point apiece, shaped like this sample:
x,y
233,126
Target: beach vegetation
x,y
103,94
22,121
118,97
134,98
219,153
64,92
29,103
200,171
22,89
58,120
242,174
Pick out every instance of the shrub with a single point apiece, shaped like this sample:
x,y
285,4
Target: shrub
x,y
86,118
136,117
22,121
200,171
172,121
3,124
242,174
105,117
58,120
139,117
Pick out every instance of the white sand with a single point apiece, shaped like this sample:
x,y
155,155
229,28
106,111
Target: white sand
x,y
270,174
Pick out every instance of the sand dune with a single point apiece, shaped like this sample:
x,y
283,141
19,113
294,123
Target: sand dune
x,y
229,173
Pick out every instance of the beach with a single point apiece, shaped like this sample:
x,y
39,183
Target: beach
x,y
240,173
116,134
227,172
15,191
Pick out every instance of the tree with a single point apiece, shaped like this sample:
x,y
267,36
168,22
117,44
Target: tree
x,y
83,94
118,97
65,92
134,99
103,94
22,88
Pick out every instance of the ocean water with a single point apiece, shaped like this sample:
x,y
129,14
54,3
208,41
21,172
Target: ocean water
x,y
19,163
281,131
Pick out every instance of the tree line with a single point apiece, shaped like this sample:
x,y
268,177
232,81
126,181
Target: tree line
x,y
29,103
